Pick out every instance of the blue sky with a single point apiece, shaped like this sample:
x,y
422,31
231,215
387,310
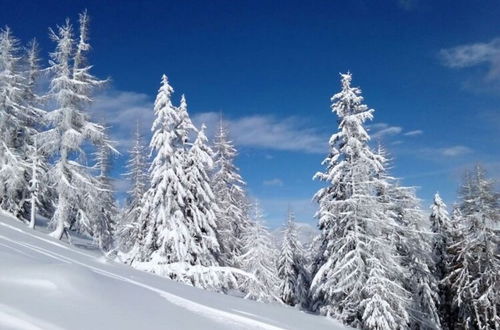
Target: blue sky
x,y
430,69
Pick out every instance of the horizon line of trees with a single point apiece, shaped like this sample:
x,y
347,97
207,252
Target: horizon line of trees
x,y
378,262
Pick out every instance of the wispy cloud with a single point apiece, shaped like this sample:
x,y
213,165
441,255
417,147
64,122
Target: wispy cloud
x,y
414,133
384,130
455,151
122,110
448,152
393,130
268,132
468,55
273,182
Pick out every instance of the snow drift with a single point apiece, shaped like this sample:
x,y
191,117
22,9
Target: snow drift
x,y
48,284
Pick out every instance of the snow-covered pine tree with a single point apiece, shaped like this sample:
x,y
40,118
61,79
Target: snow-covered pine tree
x,y
202,207
357,274
442,229
474,270
31,123
13,165
71,88
20,119
440,223
453,260
232,204
292,272
100,201
33,115
259,259
414,247
176,225
137,175
162,220
34,123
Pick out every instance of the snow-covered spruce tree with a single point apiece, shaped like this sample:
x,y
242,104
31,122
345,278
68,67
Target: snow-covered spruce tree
x,y
33,115
259,259
474,269
137,175
452,233
34,124
454,259
71,88
414,247
100,219
232,204
176,227
357,274
13,117
292,272
440,222
202,207
162,220
443,230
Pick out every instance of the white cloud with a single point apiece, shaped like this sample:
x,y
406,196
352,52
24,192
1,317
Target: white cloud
x,y
474,54
455,151
384,130
379,130
414,133
451,151
392,130
122,110
273,182
268,132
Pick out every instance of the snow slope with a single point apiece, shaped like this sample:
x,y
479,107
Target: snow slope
x,y
47,284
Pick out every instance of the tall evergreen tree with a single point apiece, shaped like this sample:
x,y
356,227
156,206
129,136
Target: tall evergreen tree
x,y
177,227
71,88
442,228
101,202
357,275
453,259
201,208
292,272
34,124
414,247
137,175
259,260
440,223
166,235
13,117
474,269
232,205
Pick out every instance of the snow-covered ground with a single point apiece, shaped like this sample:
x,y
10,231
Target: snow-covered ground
x,y
48,284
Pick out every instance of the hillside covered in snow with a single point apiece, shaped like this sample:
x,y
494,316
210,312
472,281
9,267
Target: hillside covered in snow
x,y
48,284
